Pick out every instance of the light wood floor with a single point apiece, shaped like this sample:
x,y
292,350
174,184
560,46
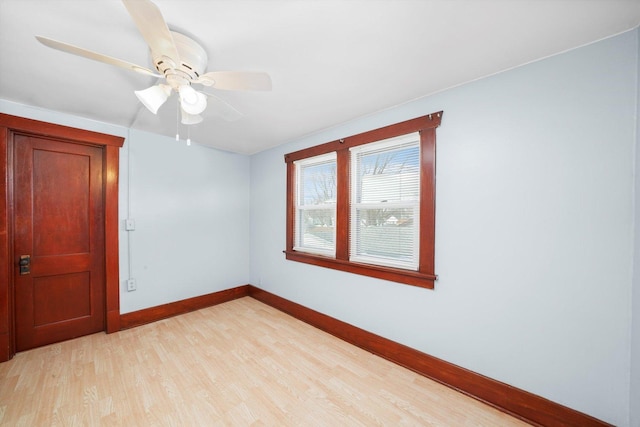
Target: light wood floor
x,y
236,364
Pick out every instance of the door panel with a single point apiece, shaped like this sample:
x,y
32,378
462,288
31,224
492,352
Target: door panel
x,y
59,221
69,210
74,290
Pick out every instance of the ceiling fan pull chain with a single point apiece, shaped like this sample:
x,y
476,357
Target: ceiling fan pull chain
x,y
178,121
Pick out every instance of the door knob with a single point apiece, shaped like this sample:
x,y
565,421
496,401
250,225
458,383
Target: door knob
x,y
25,264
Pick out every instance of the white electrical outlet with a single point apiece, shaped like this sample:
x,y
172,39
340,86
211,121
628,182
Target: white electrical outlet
x,y
131,285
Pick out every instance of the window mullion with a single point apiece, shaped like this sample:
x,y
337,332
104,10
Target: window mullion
x,y
342,208
291,204
427,199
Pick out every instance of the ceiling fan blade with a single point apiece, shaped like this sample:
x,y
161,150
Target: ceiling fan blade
x,y
153,28
222,108
236,80
75,50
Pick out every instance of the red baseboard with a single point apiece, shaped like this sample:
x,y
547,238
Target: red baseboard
x,y
519,403
152,314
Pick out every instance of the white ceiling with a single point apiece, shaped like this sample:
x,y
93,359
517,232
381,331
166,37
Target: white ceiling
x,y
330,61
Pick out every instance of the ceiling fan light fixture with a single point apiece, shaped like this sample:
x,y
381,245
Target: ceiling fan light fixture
x,y
190,119
181,61
154,97
192,101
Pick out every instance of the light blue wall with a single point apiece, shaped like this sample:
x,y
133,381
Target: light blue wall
x,y
635,300
534,231
191,209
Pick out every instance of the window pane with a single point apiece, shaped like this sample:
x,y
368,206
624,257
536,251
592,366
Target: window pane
x,y
317,229
318,183
390,235
388,174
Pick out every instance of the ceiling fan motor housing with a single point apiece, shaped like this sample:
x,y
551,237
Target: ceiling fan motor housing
x,y
192,62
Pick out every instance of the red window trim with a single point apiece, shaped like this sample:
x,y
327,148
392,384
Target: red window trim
x,y
425,276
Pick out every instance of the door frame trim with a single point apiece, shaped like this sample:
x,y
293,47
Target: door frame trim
x,y
111,144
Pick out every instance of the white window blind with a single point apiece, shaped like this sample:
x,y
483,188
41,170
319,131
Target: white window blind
x,y
385,202
315,216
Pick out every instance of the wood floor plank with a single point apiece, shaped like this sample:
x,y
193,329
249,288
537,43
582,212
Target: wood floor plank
x,y
239,363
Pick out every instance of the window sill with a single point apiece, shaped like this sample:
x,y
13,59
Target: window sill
x,y
406,277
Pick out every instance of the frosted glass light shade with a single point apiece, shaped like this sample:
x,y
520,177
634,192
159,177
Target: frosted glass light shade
x,y
190,119
154,97
192,102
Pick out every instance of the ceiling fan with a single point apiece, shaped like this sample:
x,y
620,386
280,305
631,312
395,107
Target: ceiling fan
x,y
177,59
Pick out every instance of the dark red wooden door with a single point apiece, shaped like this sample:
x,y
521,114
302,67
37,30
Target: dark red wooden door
x,y
59,223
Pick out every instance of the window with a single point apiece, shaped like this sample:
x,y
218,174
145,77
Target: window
x,y
316,205
385,202
366,204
